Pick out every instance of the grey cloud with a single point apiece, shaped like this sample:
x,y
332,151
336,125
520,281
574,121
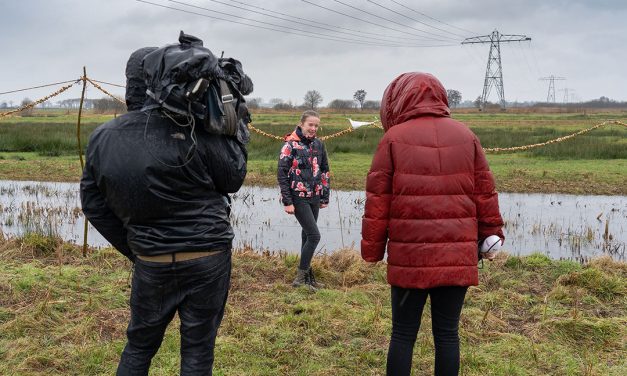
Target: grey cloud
x,y
51,40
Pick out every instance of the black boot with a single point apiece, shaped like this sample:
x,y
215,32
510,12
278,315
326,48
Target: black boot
x,y
312,280
302,277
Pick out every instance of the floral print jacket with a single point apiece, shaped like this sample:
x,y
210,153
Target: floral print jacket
x,y
303,169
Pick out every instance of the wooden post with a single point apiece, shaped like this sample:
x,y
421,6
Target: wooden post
x,y
80,150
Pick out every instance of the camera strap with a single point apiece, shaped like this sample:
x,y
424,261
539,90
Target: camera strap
x,y
229,105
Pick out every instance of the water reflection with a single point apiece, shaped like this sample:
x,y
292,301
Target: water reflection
x,y
560,226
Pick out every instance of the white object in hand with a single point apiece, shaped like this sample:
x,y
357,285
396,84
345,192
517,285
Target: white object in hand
x,y
491,244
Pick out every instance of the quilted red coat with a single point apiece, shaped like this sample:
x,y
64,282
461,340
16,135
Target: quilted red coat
x,y
430,194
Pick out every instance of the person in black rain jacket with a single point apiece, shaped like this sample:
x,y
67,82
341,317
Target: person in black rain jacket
x,y
156,186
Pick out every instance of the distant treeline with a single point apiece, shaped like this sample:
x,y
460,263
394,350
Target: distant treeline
x,y
602,102
100,106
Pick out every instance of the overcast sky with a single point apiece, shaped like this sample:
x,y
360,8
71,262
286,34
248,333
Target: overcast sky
x,y
582,40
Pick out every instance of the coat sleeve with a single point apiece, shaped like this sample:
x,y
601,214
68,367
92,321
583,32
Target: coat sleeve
x,y
100,215
226,161
485,197
374,227
326,176
283,173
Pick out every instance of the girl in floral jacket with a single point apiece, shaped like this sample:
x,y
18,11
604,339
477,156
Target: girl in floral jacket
x,y
303,175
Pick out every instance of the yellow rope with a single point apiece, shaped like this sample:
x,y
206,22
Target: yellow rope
x,y
104,91
347,130
334,135
556,140
38,101
337,134
252,128
487,150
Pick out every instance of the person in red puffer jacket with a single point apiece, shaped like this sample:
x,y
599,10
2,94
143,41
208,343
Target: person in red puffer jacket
x,y
430,199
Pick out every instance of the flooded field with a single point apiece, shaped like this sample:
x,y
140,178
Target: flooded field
x,y
560,226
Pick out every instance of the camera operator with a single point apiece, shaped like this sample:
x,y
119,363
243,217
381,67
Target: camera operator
x,y
156,186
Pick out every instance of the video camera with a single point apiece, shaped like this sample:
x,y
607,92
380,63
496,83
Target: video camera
x,y
188,79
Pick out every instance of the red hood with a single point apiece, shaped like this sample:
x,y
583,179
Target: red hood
x,y
412,95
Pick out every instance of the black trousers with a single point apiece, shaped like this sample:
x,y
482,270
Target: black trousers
x,y
306,213
198,290
407,306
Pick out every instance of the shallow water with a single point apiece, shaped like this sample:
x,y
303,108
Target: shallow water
x,y
560,226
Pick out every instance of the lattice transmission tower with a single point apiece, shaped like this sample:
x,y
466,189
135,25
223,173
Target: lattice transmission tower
x,y
494,71
568,91
550,97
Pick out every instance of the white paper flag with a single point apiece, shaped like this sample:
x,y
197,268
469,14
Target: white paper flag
x,y
357,124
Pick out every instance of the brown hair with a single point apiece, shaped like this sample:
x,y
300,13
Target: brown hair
x,y
307,114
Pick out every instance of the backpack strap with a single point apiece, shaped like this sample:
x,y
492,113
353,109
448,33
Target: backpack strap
x,y
229,105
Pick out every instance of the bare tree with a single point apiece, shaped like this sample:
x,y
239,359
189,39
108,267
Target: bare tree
x,y
283,105
360,96
312,99
108,105
26,111
372,105
253,103
341,104
454,97
274,101
477,102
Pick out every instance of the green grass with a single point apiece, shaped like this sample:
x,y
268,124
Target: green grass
x,y
61,314
50,136
44,148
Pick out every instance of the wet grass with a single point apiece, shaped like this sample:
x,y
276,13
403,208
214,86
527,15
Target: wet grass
x,y
61,314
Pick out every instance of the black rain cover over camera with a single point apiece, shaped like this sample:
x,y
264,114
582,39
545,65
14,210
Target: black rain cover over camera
x,y
170,71
173,71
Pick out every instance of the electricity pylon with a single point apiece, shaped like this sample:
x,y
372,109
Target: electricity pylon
x,y
550,98
567,91
494,71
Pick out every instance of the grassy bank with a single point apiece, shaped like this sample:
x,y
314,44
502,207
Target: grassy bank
x,y
44,148
61,314
513,172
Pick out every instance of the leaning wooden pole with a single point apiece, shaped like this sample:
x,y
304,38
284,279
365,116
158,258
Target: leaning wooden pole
x,y
80,150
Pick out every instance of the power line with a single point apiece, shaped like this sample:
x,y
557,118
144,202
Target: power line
x,y
335,39
344,40
300,22
429,17
394,22
316,23
37,87
109,83
270,24
324,36
361,19
413,19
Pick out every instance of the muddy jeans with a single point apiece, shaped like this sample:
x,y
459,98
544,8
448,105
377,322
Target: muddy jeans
x,y
306,213
407,305
198,290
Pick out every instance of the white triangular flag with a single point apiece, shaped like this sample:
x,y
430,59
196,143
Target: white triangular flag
x,y
357,124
